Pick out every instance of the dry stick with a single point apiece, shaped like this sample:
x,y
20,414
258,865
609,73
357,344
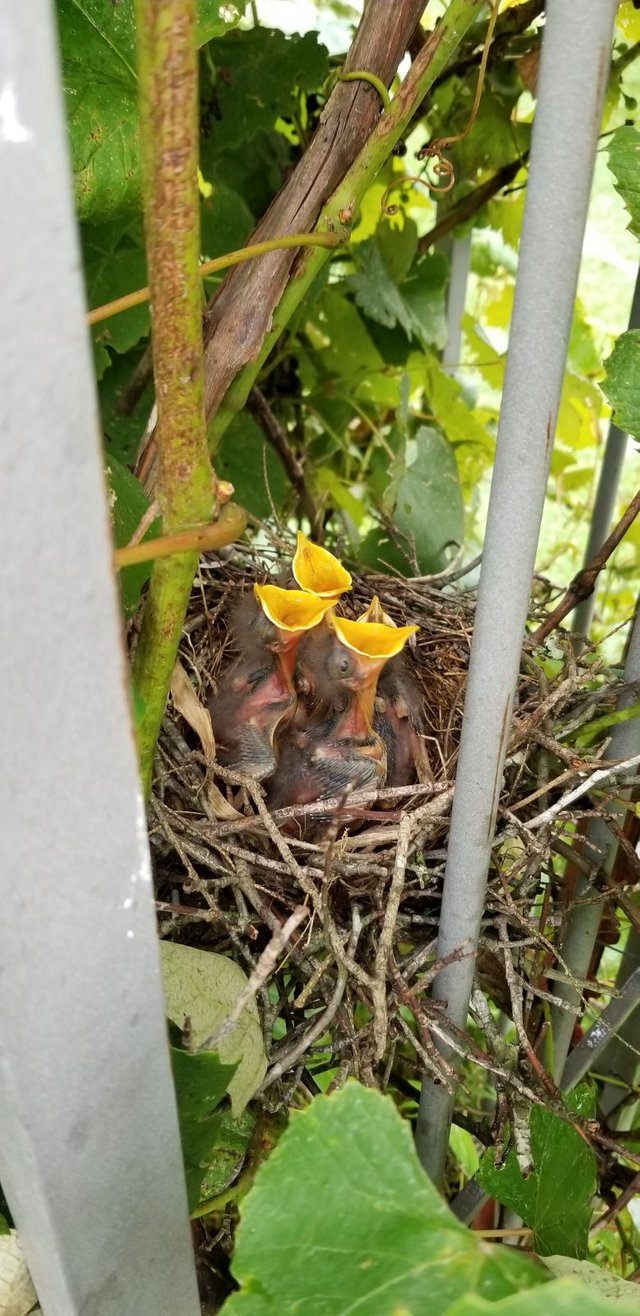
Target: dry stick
x,y
265,966
168,82
276,435
603,774
627,1195
289,1055
385,942
584,583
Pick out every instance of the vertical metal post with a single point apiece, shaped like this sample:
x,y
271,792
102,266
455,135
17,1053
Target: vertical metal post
x,y
605,500
89,1154
573,76
584,921
458,278
621,1058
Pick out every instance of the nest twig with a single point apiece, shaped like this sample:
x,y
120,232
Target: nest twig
x,y
367,950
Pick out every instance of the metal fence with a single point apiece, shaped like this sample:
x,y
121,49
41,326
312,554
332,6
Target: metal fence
x,y
89,1134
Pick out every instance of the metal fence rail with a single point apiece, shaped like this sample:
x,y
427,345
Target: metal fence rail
x,y
89,1155
571,85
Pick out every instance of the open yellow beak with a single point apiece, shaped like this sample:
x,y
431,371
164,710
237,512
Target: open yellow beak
x,y
291,609
372,639
317,570
376,613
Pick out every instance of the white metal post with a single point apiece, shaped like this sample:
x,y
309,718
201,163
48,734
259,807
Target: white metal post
x,y
573,74
459,276
89,1150
605,500
584,919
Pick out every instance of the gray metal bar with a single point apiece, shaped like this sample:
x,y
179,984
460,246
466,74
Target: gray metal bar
x,y
622,1056
585,1055
573,74
584,920
605,500
458,279
89,1152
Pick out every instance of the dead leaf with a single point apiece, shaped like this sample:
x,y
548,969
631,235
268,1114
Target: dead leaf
x,y
203,987
17,1294
188,705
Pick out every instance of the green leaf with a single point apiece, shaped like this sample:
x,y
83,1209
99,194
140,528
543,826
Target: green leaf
x,y
464,1150
417,305
201,1083
4,1227
564,1297
225,222
203,987
429,511
258,73
341,1218
215,17
598,1280
555,1201
128,503
97,41
243,458
231,1141
624,163
589,731
122,433
621,385
445,400
99,74
114,265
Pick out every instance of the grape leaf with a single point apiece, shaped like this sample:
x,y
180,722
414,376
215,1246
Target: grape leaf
x,y
123,431
201,1082
114,264
565,1298
341,1218
254,469
99,75
203,987
624,163
429,510
555,1200
128,504
417,304
621,384
258,74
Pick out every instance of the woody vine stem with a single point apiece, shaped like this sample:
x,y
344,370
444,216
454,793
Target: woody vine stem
x,y
167,57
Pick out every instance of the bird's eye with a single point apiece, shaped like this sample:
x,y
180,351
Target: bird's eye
x,y
344,665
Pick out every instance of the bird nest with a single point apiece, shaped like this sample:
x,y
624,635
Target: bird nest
x,y
339,934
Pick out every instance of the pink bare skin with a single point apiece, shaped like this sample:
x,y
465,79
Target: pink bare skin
x,y
256,695
330,747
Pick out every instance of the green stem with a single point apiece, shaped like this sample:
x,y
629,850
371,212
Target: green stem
x,y
341,207
167,58
361,75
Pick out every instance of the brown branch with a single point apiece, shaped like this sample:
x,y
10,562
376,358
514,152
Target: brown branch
x,y
470,204
276,435
584,583
240,313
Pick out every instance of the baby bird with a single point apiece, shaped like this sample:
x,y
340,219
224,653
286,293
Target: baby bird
x,y
397,717
317,570
256,695
331,747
